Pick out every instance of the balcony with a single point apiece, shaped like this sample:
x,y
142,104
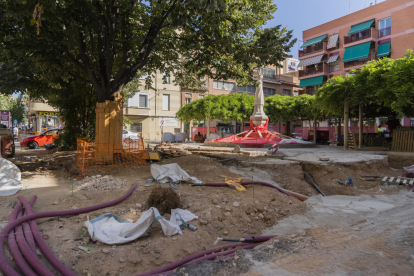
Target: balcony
x,y
384,32
313,49
367,34
321,69
359,62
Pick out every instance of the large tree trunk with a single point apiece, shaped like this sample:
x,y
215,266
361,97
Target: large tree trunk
x,y
108,132
208,128
314,131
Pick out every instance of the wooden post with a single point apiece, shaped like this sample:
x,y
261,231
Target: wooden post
x,y
346,123
314,131
361,127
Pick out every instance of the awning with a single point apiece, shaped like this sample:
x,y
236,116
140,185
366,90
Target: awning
x,y
332,59
384,49
361,27
357,52
311,82
333,41
314,41
311,61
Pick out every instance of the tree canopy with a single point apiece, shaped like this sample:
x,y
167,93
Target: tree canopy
x,y
107,43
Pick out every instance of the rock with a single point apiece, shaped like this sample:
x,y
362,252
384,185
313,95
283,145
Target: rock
x,y
55,203
245,218
324,158
134,259
203,222
106,251
228,209
214,200
236,149
226,233
236,204
261,216
227,214
249,210
175,238
122,260
83,248
267,217
139,206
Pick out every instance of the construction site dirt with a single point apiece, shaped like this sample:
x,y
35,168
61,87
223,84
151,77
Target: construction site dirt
x,y
327,242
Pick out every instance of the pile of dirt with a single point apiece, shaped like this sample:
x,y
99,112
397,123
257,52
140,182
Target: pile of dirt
x,y
99,183
164,199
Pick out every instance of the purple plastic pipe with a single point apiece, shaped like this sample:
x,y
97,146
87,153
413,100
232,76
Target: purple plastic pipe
x,y
52,259
250,182
6,268
14,249
187,259
29,236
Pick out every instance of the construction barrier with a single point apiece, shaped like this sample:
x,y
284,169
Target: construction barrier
x,y
403,140
5,143
91,155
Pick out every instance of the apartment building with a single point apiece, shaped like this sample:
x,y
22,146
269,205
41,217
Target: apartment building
x,y
336,47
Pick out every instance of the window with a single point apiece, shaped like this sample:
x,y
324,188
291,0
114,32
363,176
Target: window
x,y
295,93
165,102
143,77
247,88
136,127
412,122
286,92
139,100
269,91
334,66
268,72
201,96
205,82
384,27
224,85
166,78
187,100
143,101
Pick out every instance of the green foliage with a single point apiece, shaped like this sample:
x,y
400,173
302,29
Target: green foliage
x,y
106,43
126,122
17,109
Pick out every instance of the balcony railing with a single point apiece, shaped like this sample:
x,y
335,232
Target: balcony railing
x,y
309,90
357,37
333,68
384,32
359,61
322,68
312,49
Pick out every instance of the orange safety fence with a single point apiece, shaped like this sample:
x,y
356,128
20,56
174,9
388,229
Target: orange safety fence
x,y
91,155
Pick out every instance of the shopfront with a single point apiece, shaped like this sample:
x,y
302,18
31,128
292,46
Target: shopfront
x,y
44,120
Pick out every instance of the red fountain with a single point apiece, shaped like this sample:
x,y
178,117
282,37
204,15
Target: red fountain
x,y
258,135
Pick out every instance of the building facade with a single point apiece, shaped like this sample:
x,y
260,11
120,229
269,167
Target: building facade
x,y
336,47
42,116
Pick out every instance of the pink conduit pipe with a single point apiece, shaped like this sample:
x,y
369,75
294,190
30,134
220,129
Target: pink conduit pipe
x,y
14,249
185,260
52,259
6,268
211,257
286,192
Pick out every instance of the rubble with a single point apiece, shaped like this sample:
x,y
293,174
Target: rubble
x,y
99,183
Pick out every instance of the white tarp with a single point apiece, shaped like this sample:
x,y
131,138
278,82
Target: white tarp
x,y
112,229
171,172
10,178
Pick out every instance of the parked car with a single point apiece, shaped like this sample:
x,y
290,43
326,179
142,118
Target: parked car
x,y
42,139
129,136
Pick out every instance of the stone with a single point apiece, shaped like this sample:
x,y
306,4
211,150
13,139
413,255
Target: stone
x,y
122,260
261,216
203,222
139,206
249,210
106,251
83,248
214,200
228,209
55,203
227,214
267,217
245,218
226,233
236,149
236,204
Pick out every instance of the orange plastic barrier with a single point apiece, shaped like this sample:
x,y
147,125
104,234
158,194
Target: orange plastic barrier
x,y
91,155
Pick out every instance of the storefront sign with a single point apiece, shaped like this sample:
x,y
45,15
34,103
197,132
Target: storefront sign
x,y
168,122
47,113
5,118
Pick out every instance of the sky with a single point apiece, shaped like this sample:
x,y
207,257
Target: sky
x,y
300,15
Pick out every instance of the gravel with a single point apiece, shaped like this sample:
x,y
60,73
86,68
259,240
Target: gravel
x,y
99,183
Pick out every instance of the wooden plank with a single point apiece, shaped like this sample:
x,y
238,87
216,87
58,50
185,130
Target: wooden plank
x,y
385,178
398,180
392,179
411,182
405,181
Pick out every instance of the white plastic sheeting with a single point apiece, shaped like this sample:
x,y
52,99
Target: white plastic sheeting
x,y
112,229
10,178
172,172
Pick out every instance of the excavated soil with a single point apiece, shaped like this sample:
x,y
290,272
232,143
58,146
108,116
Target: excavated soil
x,y
164,199
222,211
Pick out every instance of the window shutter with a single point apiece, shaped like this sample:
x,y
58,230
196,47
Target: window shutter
x,y
165,102
143,101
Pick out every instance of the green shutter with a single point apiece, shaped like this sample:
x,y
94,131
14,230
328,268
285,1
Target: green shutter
x,y
361,27
356,52
384,49
314,41
311,82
